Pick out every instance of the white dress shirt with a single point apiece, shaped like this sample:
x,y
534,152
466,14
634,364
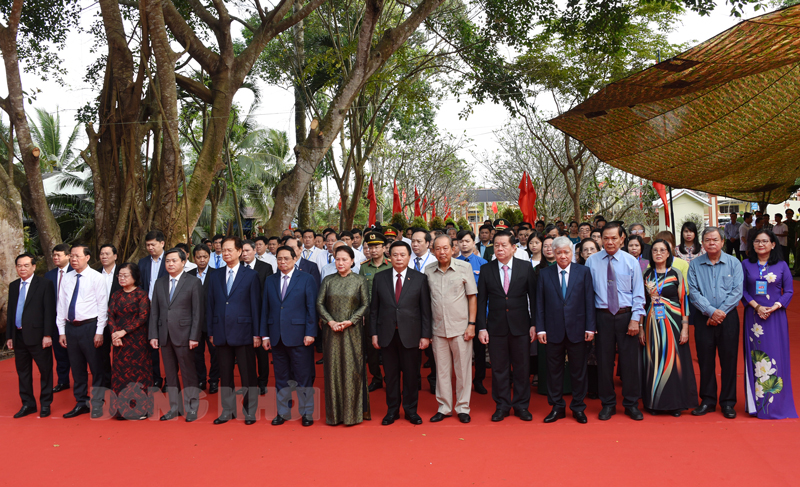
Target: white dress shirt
x,y
402,276
270,259
502,274
518,254
109,278
189,266
426,259
155,266
63,271
92,299
228,275
316,256
169,281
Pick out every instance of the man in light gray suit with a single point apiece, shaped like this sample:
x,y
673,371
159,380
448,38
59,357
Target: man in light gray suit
x,y
175,314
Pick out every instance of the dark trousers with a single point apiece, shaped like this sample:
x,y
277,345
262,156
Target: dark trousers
x,y
398,359
722,339
105,357
479,355
180,358
785,253
155,360
245,357
80,346
62,362
612,335
432,361
510,360
200,360
24,357
556,355
262,359
372,354
294,368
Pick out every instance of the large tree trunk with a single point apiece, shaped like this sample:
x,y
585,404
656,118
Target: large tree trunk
x,y
46,225
316,144
11,238
300,128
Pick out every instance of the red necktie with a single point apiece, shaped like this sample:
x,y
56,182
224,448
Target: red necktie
x,y
398,287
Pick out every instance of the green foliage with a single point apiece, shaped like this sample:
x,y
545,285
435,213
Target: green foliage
x,y
463,224
697,219
47,136
399,222
419,222
437,223
513,215
449,221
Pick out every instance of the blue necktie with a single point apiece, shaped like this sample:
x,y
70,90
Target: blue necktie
x,y
20,305
230,281
564,284
217,262
74,301
171,290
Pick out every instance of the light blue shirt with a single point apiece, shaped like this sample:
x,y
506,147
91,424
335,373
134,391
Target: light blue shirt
x,y
202,275
715,286
331,269
476,263
630,284
155,265
212,262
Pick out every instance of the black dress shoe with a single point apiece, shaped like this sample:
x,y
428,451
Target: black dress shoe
x,y
524,414
388,419
170,415
77,411
279,420
606,413
320,361
158,383
499,415
191,416
438,417
703,409
45,412
555,415
60,387
307,420
580,416
202,385
213,388
634,413
262,390
676,413
224,418
97,413
728,412
592,395
164,386
249,421
464,418
479,388
414,419
375,385
26,410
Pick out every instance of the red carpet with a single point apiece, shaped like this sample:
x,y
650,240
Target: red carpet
x,y
660,450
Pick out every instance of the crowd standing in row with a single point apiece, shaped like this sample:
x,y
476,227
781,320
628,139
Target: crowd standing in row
x,y
540,299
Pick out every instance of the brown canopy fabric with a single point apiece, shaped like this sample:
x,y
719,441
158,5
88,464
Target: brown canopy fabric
x,y
722,117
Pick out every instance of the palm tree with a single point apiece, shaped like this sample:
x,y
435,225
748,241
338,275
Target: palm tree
x,y
47,136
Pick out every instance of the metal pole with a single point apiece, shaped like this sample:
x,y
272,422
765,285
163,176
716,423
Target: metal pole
x,y
672,211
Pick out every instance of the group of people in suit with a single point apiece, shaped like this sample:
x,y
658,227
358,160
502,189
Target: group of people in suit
x,y
420,292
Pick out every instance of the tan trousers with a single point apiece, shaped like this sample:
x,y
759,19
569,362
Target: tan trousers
x,y
453,353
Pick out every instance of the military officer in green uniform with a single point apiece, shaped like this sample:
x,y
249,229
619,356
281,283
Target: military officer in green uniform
x,y
374,244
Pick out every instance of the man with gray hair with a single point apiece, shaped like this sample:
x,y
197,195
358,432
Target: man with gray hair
x,y
715,288
565,320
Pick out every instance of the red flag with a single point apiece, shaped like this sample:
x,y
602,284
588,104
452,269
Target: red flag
x,y
433,212
446,209
373,203
494,207
340,203
425,208
523,197
531,199
416,202
396,207
662,192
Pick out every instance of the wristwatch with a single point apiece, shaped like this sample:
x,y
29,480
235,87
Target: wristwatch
x,y
470,322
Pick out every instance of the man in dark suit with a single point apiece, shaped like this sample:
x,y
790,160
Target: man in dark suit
x,y
302,264
151,268
110,272
289,320
400,326
232,314
30,328
565,319
175,328
264,270
505,288
56,275
202,255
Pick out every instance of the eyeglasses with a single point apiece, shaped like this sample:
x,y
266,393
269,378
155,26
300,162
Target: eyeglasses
x,y
659,251
637,232
762,242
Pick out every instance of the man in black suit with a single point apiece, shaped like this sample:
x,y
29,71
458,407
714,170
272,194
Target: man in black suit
x,y
264,270
151,268
506,287
56,275
565,318
400,326
202,256
110,273
30,328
